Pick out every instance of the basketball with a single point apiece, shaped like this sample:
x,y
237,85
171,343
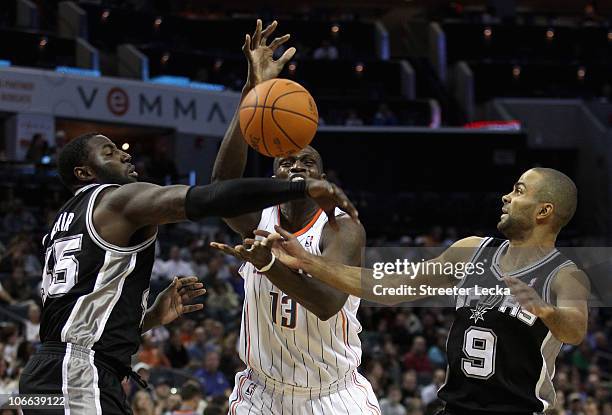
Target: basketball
x,y
278,117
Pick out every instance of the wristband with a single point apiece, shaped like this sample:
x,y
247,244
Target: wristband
x,y
267,267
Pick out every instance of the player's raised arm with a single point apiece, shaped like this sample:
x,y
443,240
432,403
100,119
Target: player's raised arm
x,y
232,157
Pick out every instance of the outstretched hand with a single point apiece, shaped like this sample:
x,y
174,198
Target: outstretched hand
x,y
174,301
262,66
283,244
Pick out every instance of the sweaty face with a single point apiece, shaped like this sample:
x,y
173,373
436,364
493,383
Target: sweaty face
x,y
520,206
300,166
110,164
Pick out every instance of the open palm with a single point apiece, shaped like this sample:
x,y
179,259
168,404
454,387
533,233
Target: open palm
x,y
259,54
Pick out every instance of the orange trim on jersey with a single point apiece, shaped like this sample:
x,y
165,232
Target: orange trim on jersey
x,y
308,225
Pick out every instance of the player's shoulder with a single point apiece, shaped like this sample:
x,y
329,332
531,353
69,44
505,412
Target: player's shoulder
x,y
469,242
348,232
463,249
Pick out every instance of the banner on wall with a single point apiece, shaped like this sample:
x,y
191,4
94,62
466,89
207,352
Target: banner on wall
x,y
116,100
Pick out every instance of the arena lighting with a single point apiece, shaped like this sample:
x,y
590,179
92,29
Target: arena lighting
x,y
581,73
550,34
157,23
105,15
218,64
78,71
516,71
335,28
43,42
173,391
165,58
292,67
487,33
125,146
183,81
359,68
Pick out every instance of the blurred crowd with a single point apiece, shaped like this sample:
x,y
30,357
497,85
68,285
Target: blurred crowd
x,y
191,363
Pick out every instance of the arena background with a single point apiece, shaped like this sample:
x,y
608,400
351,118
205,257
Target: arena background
x,y
430,110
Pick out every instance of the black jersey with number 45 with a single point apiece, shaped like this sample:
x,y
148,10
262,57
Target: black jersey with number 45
x,y
501,358
94,293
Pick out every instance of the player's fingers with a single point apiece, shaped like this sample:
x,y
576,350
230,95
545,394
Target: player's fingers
x,y
345,204
286,57
246,48
331,218
261,232
267,32
196,293
279,41
285,234
188,280
257,34
223,248
192,307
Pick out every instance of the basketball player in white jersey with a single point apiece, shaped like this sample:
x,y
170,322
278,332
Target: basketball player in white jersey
x,y
299,337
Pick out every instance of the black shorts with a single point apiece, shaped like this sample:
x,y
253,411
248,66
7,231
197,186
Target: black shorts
x,y
88,385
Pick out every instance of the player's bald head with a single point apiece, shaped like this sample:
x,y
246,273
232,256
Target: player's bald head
x,y
559,190
307,149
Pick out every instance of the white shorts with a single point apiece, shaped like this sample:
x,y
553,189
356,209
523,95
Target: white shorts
x,y
253,394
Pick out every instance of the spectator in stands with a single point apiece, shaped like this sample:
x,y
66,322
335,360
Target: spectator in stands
x,y
199,261
17,286
173,403
213,382
175,265
417,358
391,404
176,352
192,402
5,296
409,387
8,384
430,392
161,393
151,354
353,120
575,405
39,147
18,219
384,116
32,324
222,301
199,347
143,404
437,352
326,51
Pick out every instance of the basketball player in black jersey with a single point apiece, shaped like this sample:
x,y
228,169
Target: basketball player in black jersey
x,y
98,260
501,348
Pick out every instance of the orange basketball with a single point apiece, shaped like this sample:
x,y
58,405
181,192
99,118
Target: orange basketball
x,y
278,117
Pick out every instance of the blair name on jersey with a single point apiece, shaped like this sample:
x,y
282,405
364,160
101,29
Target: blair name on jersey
x,y
63,223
